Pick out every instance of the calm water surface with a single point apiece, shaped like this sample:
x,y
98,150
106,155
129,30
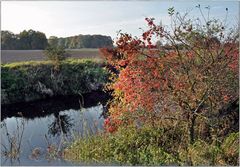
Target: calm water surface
x,y
48,128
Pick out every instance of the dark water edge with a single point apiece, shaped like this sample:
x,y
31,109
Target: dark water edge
x,y
49,122
42,108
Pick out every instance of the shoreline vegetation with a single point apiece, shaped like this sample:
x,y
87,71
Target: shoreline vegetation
x,y
34,80
149,145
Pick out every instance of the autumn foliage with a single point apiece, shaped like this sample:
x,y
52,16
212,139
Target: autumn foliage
x,y
197,76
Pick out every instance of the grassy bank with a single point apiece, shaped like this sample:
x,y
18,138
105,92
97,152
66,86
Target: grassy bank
x,y
153,146
28,81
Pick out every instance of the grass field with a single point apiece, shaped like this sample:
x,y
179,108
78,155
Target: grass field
x,y
9,56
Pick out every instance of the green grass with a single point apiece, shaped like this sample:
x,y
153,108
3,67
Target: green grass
x,y
129,146
48,62
151,146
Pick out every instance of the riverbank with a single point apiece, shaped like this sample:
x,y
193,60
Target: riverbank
x,y
34,80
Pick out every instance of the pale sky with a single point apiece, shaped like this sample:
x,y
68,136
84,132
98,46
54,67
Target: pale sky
x,y
64,18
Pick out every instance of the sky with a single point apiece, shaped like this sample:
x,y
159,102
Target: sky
x,y
69,18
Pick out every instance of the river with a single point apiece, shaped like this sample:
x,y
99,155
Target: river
x,y
35,133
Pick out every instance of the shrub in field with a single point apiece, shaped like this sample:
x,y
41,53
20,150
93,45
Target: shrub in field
x,y
196,77
55,54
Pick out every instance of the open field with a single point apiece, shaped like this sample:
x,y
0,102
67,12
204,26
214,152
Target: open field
x,y
8,56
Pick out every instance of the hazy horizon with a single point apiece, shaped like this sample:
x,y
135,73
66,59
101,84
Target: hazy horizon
x,y
64,18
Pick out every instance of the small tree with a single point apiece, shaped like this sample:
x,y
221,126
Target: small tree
x,y
56,55
196,76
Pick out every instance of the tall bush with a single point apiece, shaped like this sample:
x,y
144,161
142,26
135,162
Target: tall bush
x,y
196,76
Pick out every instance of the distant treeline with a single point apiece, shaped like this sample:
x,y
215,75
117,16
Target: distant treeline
x,y
24,40
30,40
82,41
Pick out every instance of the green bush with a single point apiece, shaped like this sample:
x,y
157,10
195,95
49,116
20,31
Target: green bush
x,y
55,53
35,80
128,146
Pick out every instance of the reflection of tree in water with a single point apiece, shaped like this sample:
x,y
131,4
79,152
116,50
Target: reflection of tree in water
x,y
61,124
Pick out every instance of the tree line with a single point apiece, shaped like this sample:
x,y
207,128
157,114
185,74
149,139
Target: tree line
x,y
82,41
37,40
24,40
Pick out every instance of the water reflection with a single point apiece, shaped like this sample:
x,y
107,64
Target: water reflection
x,y
44,138
61,124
